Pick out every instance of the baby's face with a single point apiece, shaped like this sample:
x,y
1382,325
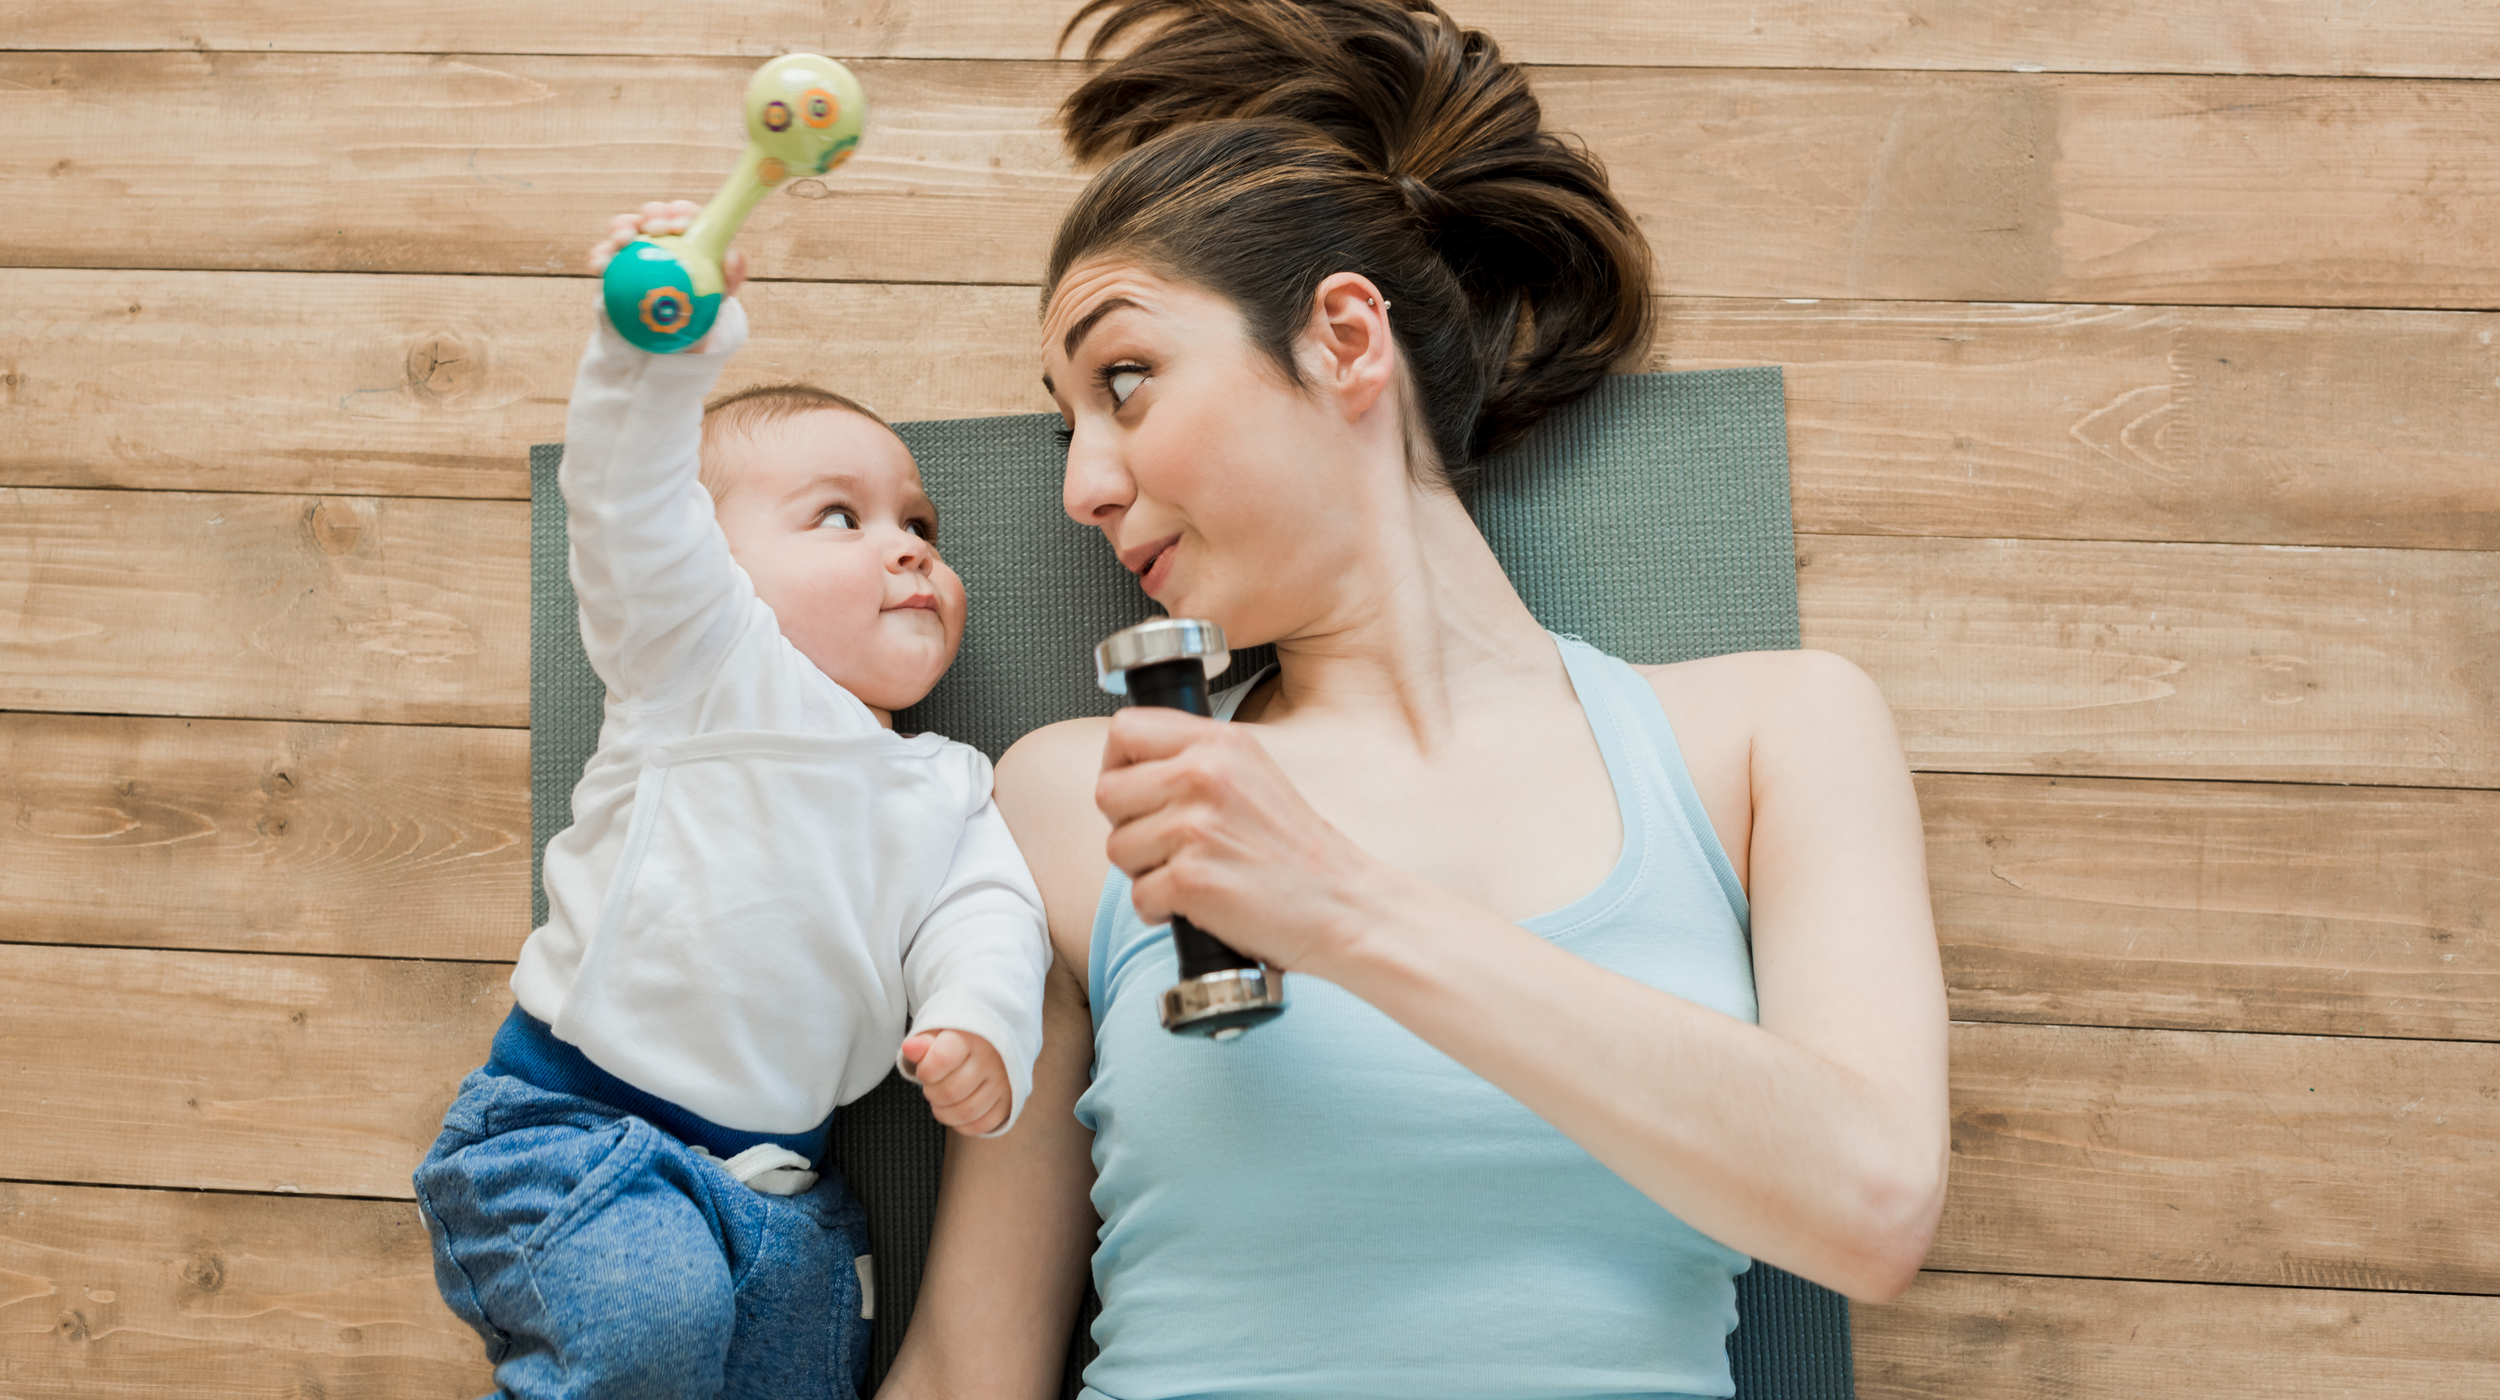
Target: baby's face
x,y
826,514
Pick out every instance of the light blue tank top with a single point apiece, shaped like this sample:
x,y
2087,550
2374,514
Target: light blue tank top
x,y
1328,1206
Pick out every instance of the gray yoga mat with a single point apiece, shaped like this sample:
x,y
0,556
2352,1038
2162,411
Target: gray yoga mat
x,y
1650,518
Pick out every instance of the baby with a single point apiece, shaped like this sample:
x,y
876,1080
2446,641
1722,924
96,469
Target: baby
x,y
763,883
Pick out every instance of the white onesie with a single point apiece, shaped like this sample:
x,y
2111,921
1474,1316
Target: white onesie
x,y
761,886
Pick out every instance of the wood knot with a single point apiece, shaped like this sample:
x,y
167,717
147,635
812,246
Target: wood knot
x,y
71,1328
811,189
441,366
334,526
205,1272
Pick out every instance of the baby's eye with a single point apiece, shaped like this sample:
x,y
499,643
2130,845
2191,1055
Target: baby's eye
x,y
925,529
1124,383
837,518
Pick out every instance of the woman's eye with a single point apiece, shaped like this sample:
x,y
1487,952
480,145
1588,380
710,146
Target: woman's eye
x,y
1124,383
837,519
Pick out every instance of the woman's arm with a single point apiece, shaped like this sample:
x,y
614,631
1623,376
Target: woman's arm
x,y
1006,1266
1015,1225
1815,1140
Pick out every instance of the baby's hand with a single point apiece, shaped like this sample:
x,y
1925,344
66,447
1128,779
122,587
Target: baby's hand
x,y
656,219
964,1079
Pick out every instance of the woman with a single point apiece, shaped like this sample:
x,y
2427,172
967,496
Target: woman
x,y
1605,978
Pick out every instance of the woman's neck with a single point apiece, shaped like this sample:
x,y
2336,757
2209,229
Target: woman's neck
x,y
1431,625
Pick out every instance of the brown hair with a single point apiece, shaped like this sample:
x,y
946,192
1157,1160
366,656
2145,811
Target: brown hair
x,y
1264,145
751,409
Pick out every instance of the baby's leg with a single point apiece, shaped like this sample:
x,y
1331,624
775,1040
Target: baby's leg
x,y
583,1245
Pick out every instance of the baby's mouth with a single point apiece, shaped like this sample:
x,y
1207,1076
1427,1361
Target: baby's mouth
x,y
917,601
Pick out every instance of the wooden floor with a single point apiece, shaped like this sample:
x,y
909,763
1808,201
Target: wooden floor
x,y
2145,406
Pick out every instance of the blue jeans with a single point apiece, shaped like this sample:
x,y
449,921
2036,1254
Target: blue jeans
x,y
598,1256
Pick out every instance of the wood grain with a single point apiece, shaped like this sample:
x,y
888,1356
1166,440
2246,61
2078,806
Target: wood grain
x,y
161,1295
2214,906
2202,1157
2109,1153
299,838
2416,38
2187,424
2260,426
2171,660
248,1072
1955,1336
265,607
1935,186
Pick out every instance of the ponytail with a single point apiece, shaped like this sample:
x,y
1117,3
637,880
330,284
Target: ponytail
x,y
1259,146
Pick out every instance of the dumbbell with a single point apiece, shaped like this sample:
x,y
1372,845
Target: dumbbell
x,y
1168,662
804,115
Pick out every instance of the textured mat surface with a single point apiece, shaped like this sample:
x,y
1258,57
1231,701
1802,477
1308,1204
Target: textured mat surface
x,y
1651,519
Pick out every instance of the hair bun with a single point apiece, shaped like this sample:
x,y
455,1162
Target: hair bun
x,y
1382,136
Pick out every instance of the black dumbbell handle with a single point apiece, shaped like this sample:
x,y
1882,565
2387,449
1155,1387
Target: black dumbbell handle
x,y
1182,685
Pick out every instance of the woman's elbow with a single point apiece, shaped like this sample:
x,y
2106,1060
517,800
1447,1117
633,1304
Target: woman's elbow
x,y
1898,1212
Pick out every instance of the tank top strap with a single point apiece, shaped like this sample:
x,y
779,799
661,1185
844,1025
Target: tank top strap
x,y
1644,759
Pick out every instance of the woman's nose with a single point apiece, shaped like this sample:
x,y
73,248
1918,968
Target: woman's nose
x,y
1096,487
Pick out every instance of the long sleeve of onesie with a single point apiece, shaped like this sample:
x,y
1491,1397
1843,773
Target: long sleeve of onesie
x,y
978,961
661,599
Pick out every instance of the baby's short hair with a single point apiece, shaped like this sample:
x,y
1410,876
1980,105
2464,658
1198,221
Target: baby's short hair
x,y
743,413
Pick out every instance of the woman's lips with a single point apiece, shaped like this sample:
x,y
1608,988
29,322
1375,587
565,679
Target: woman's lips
x,y
1160,571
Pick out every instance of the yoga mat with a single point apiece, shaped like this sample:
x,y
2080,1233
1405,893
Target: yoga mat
x,y
1651,519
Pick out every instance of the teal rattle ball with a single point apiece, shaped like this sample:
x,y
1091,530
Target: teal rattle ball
x,y
652,301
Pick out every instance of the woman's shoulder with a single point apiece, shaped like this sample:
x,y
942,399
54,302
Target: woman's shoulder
x,y
1045,790
1779,688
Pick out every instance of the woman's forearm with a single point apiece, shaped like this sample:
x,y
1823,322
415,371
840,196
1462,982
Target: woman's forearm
x,y
1006,1265
1760,1143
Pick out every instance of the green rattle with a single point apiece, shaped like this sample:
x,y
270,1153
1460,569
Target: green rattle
x,y
804,115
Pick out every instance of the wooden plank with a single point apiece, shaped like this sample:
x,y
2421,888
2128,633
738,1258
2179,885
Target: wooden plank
x,y
1945,186
1954,1336
2171,660
265,607
2189,424
2355,1163
223,1297
248,1072
2393,38
2207,906
283,838
415,385
2212,906
2202,1157
2249,426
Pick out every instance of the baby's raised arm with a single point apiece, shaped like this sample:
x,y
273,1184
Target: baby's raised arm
x,y
660,597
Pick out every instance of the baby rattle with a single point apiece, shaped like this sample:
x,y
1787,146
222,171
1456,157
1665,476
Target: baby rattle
x,y
804,115
1167,662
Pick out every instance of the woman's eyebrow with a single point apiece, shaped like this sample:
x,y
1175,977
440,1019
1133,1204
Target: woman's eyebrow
x,y
1085,325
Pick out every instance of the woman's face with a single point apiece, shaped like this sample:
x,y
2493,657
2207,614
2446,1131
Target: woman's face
x,y
1230,494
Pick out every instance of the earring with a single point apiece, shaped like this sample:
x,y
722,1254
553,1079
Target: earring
x,y
1371,301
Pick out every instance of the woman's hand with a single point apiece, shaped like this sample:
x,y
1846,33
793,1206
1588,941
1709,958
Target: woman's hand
x,y
1206,825
658,219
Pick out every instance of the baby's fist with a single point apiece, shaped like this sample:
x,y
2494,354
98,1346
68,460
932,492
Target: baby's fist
x,y
963,1078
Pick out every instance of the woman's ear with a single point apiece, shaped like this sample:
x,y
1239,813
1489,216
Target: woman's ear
x,y
1353,358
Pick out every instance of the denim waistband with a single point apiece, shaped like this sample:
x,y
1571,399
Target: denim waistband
x,y
528,1051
